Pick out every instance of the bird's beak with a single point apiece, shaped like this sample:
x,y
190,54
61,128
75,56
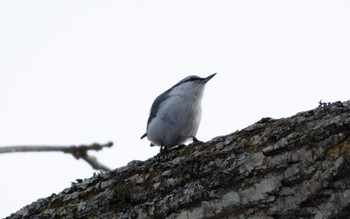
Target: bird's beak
x,y
205,80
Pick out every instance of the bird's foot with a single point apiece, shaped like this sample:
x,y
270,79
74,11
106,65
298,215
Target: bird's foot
x,y
195,140
163,150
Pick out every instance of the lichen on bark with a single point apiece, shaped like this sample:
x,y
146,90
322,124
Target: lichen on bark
x,y
296,167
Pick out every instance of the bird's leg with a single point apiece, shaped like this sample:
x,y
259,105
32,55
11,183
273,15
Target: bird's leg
x,y
163,149
158,157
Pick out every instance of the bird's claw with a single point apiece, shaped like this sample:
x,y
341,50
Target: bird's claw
x,y
195,140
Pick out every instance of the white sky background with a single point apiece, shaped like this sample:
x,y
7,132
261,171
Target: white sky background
x,y
78,72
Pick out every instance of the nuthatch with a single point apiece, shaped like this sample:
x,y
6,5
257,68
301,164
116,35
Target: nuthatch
x,y
175,114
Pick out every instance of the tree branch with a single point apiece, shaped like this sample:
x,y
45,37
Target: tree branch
x,y
77,151
294,167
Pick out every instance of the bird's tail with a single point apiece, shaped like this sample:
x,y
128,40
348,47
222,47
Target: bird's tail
x,y
143,136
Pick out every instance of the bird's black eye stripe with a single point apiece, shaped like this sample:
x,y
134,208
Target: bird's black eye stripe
x,y
188,79
193,78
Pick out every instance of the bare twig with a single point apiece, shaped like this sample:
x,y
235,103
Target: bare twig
x,y
77,151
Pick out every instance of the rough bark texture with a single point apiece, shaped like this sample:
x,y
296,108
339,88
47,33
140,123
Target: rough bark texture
x,y
295,167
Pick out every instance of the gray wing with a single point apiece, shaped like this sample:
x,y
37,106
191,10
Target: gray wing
x,y
155,106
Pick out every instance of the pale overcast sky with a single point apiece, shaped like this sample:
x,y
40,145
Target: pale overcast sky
x,y
78,72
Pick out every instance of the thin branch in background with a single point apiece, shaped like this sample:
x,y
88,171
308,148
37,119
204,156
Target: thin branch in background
x,y
77,151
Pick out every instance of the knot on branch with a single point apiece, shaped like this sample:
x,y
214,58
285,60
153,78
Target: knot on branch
x,y
81,151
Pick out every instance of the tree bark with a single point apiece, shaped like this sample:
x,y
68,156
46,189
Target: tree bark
x,y
296,167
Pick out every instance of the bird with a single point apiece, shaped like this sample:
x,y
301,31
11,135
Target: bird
x,y
175,114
